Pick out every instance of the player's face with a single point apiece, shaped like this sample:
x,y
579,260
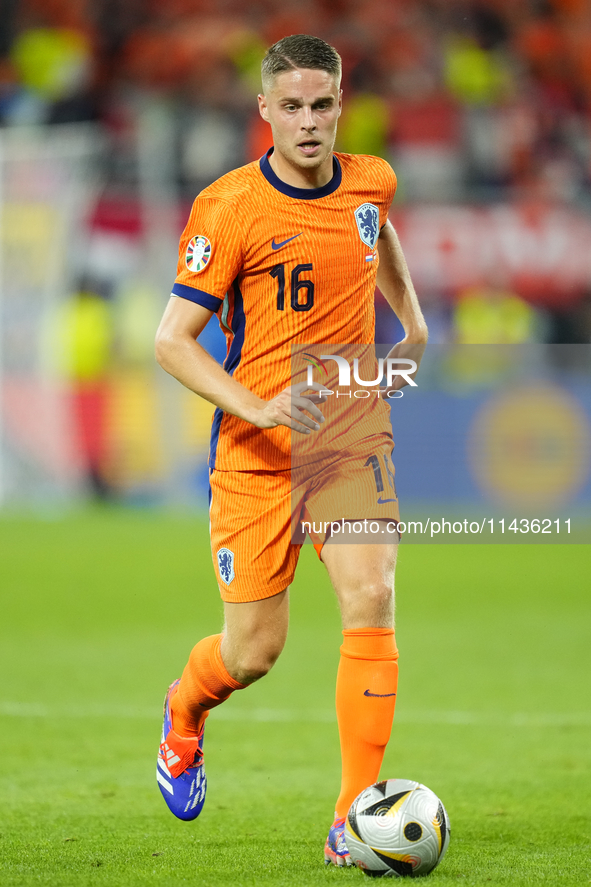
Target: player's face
x,y
303,107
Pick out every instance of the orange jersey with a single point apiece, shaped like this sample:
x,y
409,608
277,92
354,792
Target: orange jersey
x,y
284,266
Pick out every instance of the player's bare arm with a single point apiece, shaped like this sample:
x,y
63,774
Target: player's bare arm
x,y
395,283
184,358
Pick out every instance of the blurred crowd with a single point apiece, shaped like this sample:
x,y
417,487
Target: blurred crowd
x,y
473,102
470,97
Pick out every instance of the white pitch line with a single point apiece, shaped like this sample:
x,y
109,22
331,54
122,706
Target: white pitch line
x,y
286,715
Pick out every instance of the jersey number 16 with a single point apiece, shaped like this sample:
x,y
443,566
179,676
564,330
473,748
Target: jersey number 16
x,y
297,284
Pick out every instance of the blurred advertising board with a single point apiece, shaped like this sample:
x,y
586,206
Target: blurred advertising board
x,y
47,181
542,252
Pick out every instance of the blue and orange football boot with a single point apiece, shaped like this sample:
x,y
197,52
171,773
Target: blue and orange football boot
x,y
180,771
335,849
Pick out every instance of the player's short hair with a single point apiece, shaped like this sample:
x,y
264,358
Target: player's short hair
x,y
300,51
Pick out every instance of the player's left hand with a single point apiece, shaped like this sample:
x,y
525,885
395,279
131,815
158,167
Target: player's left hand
x,y
408,351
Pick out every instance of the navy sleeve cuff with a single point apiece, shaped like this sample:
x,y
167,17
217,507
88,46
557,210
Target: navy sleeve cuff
x,y
212,303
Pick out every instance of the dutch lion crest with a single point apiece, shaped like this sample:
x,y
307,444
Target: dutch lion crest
x,y
226,564
367,217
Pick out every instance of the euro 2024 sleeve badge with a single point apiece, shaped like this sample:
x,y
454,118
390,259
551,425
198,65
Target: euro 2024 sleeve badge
x,y
198,253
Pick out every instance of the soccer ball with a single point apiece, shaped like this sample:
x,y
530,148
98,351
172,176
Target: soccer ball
x,y
397,827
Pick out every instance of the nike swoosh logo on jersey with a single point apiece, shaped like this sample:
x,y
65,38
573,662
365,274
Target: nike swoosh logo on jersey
x,y
279,245
380,695
383,501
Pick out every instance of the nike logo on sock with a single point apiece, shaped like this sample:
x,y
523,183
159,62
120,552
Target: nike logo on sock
x,y
381,695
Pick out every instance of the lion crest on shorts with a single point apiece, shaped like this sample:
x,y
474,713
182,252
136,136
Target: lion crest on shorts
x,y
226,564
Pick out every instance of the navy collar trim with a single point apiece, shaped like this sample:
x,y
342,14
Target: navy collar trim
x,y
301,193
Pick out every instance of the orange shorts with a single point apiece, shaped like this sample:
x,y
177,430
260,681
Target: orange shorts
x,y
259,519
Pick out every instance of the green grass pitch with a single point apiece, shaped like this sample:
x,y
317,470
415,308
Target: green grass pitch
x,y
99,611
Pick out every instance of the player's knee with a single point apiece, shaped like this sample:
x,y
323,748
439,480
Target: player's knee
x,y
256,661
368,602
378,598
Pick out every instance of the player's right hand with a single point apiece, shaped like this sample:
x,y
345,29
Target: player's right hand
x,y
287,407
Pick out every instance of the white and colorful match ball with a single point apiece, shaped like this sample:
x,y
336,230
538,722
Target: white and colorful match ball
x,y
397,827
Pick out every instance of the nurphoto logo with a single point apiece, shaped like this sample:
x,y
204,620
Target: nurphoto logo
x,y
391,366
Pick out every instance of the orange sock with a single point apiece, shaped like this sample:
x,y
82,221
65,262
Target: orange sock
x,y
204,684
367,682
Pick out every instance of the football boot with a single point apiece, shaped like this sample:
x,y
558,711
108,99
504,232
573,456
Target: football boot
x,y
335,849
180,772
